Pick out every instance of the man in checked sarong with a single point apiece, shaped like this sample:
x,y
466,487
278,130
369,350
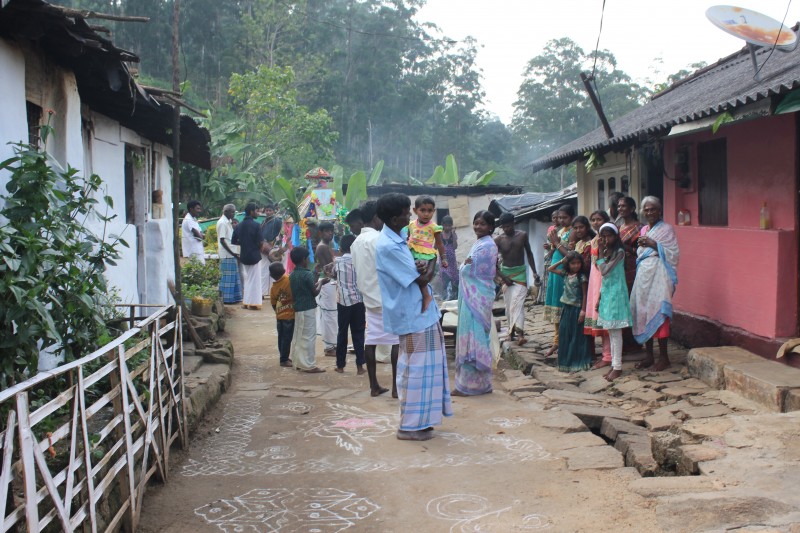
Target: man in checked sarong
x,y
422,382
229,282
513,246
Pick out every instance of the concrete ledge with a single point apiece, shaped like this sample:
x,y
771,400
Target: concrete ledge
x,y
707,364
765,382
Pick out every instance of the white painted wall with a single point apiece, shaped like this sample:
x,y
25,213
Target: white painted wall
x,y
13,118
99,149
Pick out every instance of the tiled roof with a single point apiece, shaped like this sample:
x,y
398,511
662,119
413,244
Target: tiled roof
x,y
727,84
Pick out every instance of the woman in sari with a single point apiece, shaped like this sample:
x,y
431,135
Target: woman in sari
x,y
475,299
581,242
559,240
656,278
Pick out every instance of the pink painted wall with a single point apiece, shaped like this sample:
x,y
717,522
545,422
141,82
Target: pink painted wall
x,y
740,275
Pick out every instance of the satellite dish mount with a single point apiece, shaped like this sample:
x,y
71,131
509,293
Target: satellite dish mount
x,y
757,30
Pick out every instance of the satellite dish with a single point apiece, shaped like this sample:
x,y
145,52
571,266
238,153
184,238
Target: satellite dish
x,y
756,29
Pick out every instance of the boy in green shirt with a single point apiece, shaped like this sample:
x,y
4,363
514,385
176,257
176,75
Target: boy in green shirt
x,y
305,288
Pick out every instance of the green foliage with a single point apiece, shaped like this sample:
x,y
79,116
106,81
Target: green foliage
x,y
285,196
449,175
337,172
594,159
200,280
265,99
356,190
553,107
375,177
196,273
52,287
724,118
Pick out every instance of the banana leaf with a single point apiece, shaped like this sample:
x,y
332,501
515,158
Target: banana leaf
x,y
375,177
338,178
470,178
356,190
450,170
486,178
438,176
284,194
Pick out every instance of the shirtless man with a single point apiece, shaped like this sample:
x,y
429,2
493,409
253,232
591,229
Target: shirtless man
x,y
328,323
513,246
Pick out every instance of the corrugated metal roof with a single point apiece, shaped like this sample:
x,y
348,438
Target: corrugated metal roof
x,y
727,84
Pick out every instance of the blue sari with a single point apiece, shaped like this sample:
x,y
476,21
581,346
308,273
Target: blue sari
x,y
475,299
555,284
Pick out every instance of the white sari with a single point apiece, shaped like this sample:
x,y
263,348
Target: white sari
x,y
656,278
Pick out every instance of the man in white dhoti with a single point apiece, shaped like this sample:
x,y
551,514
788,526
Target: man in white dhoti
x,y
327,314
514,247
363,252
248,236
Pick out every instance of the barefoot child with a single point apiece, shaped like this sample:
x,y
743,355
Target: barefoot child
x,y
305,288
613,307
572,353
280,296
425,240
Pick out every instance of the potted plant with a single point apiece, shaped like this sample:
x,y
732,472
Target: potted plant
x,y
202,298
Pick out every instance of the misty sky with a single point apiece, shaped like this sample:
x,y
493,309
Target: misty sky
x,y
635,31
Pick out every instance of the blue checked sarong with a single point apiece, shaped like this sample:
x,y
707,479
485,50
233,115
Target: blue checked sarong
x,y
422,382
229,284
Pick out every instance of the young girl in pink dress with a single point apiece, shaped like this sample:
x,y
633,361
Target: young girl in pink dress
x,y
597,219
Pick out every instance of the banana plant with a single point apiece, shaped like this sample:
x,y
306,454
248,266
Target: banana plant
x,y
356,190
375,177
448,175
286,197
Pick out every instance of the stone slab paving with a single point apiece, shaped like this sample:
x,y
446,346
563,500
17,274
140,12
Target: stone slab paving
x,y
289,451
746,459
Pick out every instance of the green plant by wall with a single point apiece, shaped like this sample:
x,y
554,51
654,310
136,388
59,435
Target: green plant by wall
x,y
52,287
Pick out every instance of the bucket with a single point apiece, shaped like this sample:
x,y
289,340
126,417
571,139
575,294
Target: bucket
x,y
201,306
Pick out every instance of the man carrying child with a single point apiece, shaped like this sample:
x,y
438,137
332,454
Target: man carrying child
x,y
422,381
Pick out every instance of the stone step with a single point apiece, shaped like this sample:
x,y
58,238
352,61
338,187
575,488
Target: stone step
x,y
774,385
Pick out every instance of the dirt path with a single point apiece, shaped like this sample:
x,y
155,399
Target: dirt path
x,y
287,451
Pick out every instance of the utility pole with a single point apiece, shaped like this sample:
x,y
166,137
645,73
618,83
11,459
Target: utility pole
x,y
597,106
176,148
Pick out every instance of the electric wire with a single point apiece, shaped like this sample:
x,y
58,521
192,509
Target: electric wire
x,y
599,33
777,37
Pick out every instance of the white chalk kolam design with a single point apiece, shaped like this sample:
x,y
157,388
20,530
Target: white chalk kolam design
x,y
227,453
317,510
350,426
506,423
471,513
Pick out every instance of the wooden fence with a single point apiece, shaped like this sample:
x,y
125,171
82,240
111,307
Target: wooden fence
x,y
80,442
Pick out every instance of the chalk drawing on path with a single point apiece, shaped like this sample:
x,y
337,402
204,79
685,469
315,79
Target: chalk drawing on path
x,y
472,513
506,423
319,510
231,452
351,426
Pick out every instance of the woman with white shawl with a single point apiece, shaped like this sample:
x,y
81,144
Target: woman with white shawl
x,y
656,278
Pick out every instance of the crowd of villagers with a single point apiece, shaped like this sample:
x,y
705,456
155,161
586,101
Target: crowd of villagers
x,y
609,276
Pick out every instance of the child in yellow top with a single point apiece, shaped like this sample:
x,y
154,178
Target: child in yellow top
x,y
425,240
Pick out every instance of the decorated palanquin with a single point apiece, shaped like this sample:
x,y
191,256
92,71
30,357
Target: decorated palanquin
x,y
319,203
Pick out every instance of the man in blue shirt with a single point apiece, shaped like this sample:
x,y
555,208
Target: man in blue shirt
x,y
422,381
